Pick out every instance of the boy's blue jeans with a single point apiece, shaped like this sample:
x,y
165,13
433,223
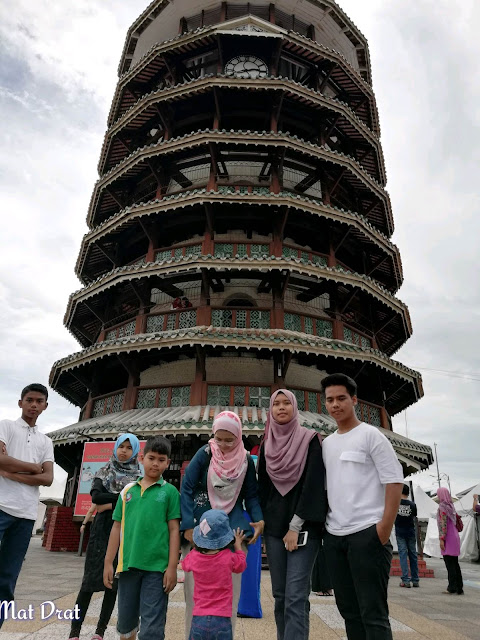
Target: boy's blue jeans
x,y
142,600
407,550
210,628
15,534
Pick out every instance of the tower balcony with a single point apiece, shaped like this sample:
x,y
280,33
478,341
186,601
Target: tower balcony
x,y
343,235
287,282
148,172
284,51
236,103
108,363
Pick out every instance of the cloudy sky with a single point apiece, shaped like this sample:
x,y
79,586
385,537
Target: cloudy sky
x,y
58,64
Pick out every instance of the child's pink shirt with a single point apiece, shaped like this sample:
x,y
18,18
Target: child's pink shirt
x,y
213,591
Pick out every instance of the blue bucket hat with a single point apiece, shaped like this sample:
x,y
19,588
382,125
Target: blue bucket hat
x,y
214,530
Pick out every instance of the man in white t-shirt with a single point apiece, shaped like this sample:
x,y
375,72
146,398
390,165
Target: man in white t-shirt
x,y
364,484
26,462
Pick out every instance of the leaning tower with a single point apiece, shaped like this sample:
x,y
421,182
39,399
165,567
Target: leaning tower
x,y
239,232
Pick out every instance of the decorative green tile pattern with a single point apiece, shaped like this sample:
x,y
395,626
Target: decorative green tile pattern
x,y
349,335
111,404
365,342
312,402
155,323
187,319
178,253
163,255
239,396
163,398
117,403
259,397
324,328
218,395
223,250
225,190
193,250
127,329
262,191
260,319
300,396
308,324
146,398
222,318
292,322
171,321
241,321
288,252
320,260
375,418
180,396
259,250
304,256
242,250
98,408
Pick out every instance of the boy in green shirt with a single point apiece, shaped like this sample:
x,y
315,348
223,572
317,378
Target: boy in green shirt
x,y
146,536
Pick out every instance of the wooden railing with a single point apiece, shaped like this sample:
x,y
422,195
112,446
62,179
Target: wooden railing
x,y
308,324
110,403
170,320
172,396
251,318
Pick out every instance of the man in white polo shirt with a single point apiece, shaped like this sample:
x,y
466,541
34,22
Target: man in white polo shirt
x,y
364,484
26,462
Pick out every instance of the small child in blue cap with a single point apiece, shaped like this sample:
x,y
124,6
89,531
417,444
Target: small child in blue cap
x,y
213,562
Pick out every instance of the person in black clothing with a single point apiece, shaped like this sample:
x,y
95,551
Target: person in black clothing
x,y
406,539
106,486
291,479
322,583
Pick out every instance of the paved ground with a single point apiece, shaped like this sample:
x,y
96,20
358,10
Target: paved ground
x,y
416,613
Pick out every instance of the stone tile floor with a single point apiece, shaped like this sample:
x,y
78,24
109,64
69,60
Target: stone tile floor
x,y
415,613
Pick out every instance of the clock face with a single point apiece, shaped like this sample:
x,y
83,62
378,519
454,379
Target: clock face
x,y
246,67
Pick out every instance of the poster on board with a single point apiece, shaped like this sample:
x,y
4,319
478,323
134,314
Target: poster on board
x,y
95,456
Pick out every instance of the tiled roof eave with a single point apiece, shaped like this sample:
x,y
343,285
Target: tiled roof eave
x,y
270,83
203,32
262,264
281,339
200,196
198,419
239,137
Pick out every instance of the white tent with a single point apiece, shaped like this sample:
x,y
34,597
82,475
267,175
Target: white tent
x,y
54,492
426,507
468,537
431,545
466,501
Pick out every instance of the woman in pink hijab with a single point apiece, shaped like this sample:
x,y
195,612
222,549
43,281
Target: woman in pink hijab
x,y
291,479
221,475
449,524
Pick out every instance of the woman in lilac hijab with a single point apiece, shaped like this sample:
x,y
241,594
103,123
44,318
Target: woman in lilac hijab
x,y
449,524
291,479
